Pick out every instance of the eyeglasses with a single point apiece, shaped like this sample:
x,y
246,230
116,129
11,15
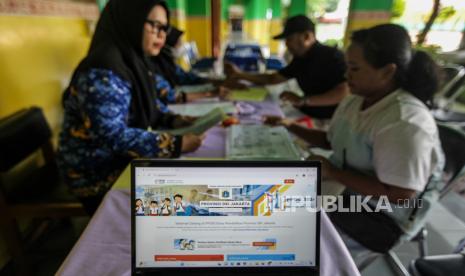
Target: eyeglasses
x,y
157,27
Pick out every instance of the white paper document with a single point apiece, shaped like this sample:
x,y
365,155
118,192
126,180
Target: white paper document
x,y
260,142
200,125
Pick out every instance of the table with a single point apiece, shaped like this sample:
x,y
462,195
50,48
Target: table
x,y
214,144
104,248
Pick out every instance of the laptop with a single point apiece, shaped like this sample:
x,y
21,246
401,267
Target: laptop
x,y
225,217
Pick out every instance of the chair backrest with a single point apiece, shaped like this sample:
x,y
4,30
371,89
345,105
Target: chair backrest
x,y
453,145
21,134
453,80
450,265
452,73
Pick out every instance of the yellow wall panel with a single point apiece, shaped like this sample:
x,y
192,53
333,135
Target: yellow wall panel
x,y
224,31
276,26
178,19
360,24
37,57
198,29
364,19
258,30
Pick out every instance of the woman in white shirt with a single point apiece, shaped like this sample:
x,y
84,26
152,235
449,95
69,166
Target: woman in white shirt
x,y
384,139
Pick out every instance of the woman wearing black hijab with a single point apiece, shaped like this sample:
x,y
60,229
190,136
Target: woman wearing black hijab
x,y
110,106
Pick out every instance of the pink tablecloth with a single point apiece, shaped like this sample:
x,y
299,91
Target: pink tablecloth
x,y
105,246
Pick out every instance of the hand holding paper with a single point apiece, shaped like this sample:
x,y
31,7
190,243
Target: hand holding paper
x,y
191,142
202,124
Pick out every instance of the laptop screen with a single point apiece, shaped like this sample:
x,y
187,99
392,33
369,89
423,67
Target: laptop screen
x,y
225,217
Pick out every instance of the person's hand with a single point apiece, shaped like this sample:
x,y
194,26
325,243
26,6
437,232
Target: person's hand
x,y
292,98
191,142
231,70
327,169
273,120
183,121
230,121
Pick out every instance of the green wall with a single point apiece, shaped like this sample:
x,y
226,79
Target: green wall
x,y
370,5
198,8
298,7
276,8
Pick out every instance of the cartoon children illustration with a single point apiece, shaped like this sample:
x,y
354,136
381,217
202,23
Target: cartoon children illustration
x,y
165,209
153,208
179,207
140,210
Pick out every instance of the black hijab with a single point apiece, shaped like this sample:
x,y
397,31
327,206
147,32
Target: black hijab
x,y
117,46
165,64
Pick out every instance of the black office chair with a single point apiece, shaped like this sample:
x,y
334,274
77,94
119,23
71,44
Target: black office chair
x,y
442,265
453,145
27,189
452,141
452,79
449,94
439,265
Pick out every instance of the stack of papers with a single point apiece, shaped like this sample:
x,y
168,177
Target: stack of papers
x,y
201,109
260,142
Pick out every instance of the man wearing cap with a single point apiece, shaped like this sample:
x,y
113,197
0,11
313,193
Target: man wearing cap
x,y
318,69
